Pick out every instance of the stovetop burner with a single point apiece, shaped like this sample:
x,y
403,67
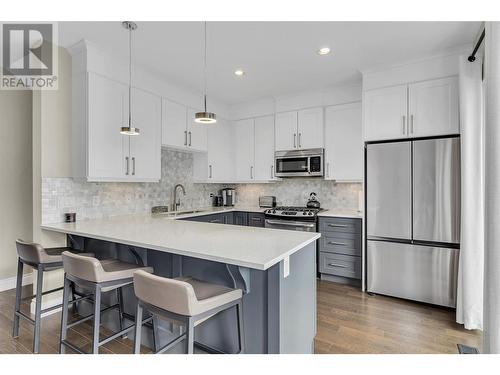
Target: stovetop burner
x,y
291,212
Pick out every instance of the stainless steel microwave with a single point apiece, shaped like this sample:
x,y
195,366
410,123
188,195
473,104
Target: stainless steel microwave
x,y
299,163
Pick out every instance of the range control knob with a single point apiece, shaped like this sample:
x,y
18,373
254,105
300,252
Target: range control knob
x,y
309,213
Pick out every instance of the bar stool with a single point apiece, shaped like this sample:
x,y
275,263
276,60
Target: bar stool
x,y
40,259
99,277
186,300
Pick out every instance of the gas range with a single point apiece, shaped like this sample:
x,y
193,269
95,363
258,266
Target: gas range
x,y
293,213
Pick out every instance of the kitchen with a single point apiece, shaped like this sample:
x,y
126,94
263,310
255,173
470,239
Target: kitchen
x,y
328,211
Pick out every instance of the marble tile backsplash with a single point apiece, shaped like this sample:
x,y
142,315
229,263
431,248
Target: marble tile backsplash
x,y
92,200
295,192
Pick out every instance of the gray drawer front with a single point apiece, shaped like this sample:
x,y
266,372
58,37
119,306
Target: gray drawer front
x,y
337,224
256,220
341,243
340,265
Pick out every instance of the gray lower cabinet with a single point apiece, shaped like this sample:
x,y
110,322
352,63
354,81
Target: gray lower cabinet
x,y
256,219
241,218
340,248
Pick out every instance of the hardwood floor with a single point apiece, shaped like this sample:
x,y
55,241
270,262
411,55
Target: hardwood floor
x,y
349,321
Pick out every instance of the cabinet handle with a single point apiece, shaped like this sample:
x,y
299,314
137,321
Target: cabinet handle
x,y
251,172
185,137
300,138
256,219
189,139
128,169
214,221
272,171
337,243
133,165
294,140
337,265
338,225
411,124
210,171
404,125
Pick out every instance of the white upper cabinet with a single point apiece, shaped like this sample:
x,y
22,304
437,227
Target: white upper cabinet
x,y
244,144
112,156
422,109
299,129
145,149
174,133
343,143
385,113
220,155
197,133
286,131
264,148
310,128
433,107
179,131
106,114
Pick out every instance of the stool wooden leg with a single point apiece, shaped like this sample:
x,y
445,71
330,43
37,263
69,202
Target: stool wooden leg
x,y
241,336
38,309
19,290
64,314
138,329
97,319
190,335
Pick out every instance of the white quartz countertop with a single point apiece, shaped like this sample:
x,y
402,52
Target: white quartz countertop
x,y
353,214
257,248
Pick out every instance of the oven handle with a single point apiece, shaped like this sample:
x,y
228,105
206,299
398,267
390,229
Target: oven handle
x,y
290,223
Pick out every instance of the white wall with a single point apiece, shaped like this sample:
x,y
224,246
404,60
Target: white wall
x,y
15,179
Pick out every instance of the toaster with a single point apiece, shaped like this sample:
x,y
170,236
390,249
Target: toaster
x,y
267,201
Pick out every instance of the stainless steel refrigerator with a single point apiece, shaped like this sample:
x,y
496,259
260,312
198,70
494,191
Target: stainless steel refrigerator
x,y
413,219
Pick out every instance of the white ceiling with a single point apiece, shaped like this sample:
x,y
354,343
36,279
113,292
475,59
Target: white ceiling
x,y
278,57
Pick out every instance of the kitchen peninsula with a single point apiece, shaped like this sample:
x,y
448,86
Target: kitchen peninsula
x,y
277,272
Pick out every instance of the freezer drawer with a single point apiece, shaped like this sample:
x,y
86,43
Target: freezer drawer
x,y
388,189
436,190
420,273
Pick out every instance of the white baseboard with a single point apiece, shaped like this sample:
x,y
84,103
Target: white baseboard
x,y
46,303
10,283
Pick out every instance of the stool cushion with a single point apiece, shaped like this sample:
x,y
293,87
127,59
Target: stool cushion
x,y
184,295
91,269
35,253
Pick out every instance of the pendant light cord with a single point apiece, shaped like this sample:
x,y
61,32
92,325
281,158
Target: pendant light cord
x,y
205,66
130,77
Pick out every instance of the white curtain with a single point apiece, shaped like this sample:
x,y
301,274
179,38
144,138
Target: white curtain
x,y
471,264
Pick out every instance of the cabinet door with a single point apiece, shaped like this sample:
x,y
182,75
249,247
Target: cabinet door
x,y
256,219
197,133
220,153
264,148
310,128
107,113
385,113
244,146
433,108
343,143
174,132
145,149
286,131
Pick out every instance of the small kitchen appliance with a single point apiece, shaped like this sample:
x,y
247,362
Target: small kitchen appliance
x,y
267,201
299,163
313,201
228,196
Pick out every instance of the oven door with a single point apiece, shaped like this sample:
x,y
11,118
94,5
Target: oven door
x,y
304,226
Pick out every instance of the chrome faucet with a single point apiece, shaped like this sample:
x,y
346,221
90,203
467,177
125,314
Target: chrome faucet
x,y
177,202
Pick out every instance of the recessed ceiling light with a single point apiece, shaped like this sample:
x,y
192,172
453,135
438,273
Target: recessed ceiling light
x,y
324,51
239,72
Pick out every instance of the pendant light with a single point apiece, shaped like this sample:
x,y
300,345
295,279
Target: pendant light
x,y
129,129
205,117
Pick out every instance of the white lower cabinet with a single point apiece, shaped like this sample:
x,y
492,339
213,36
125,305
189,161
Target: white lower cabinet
x,y
98,144
343,143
